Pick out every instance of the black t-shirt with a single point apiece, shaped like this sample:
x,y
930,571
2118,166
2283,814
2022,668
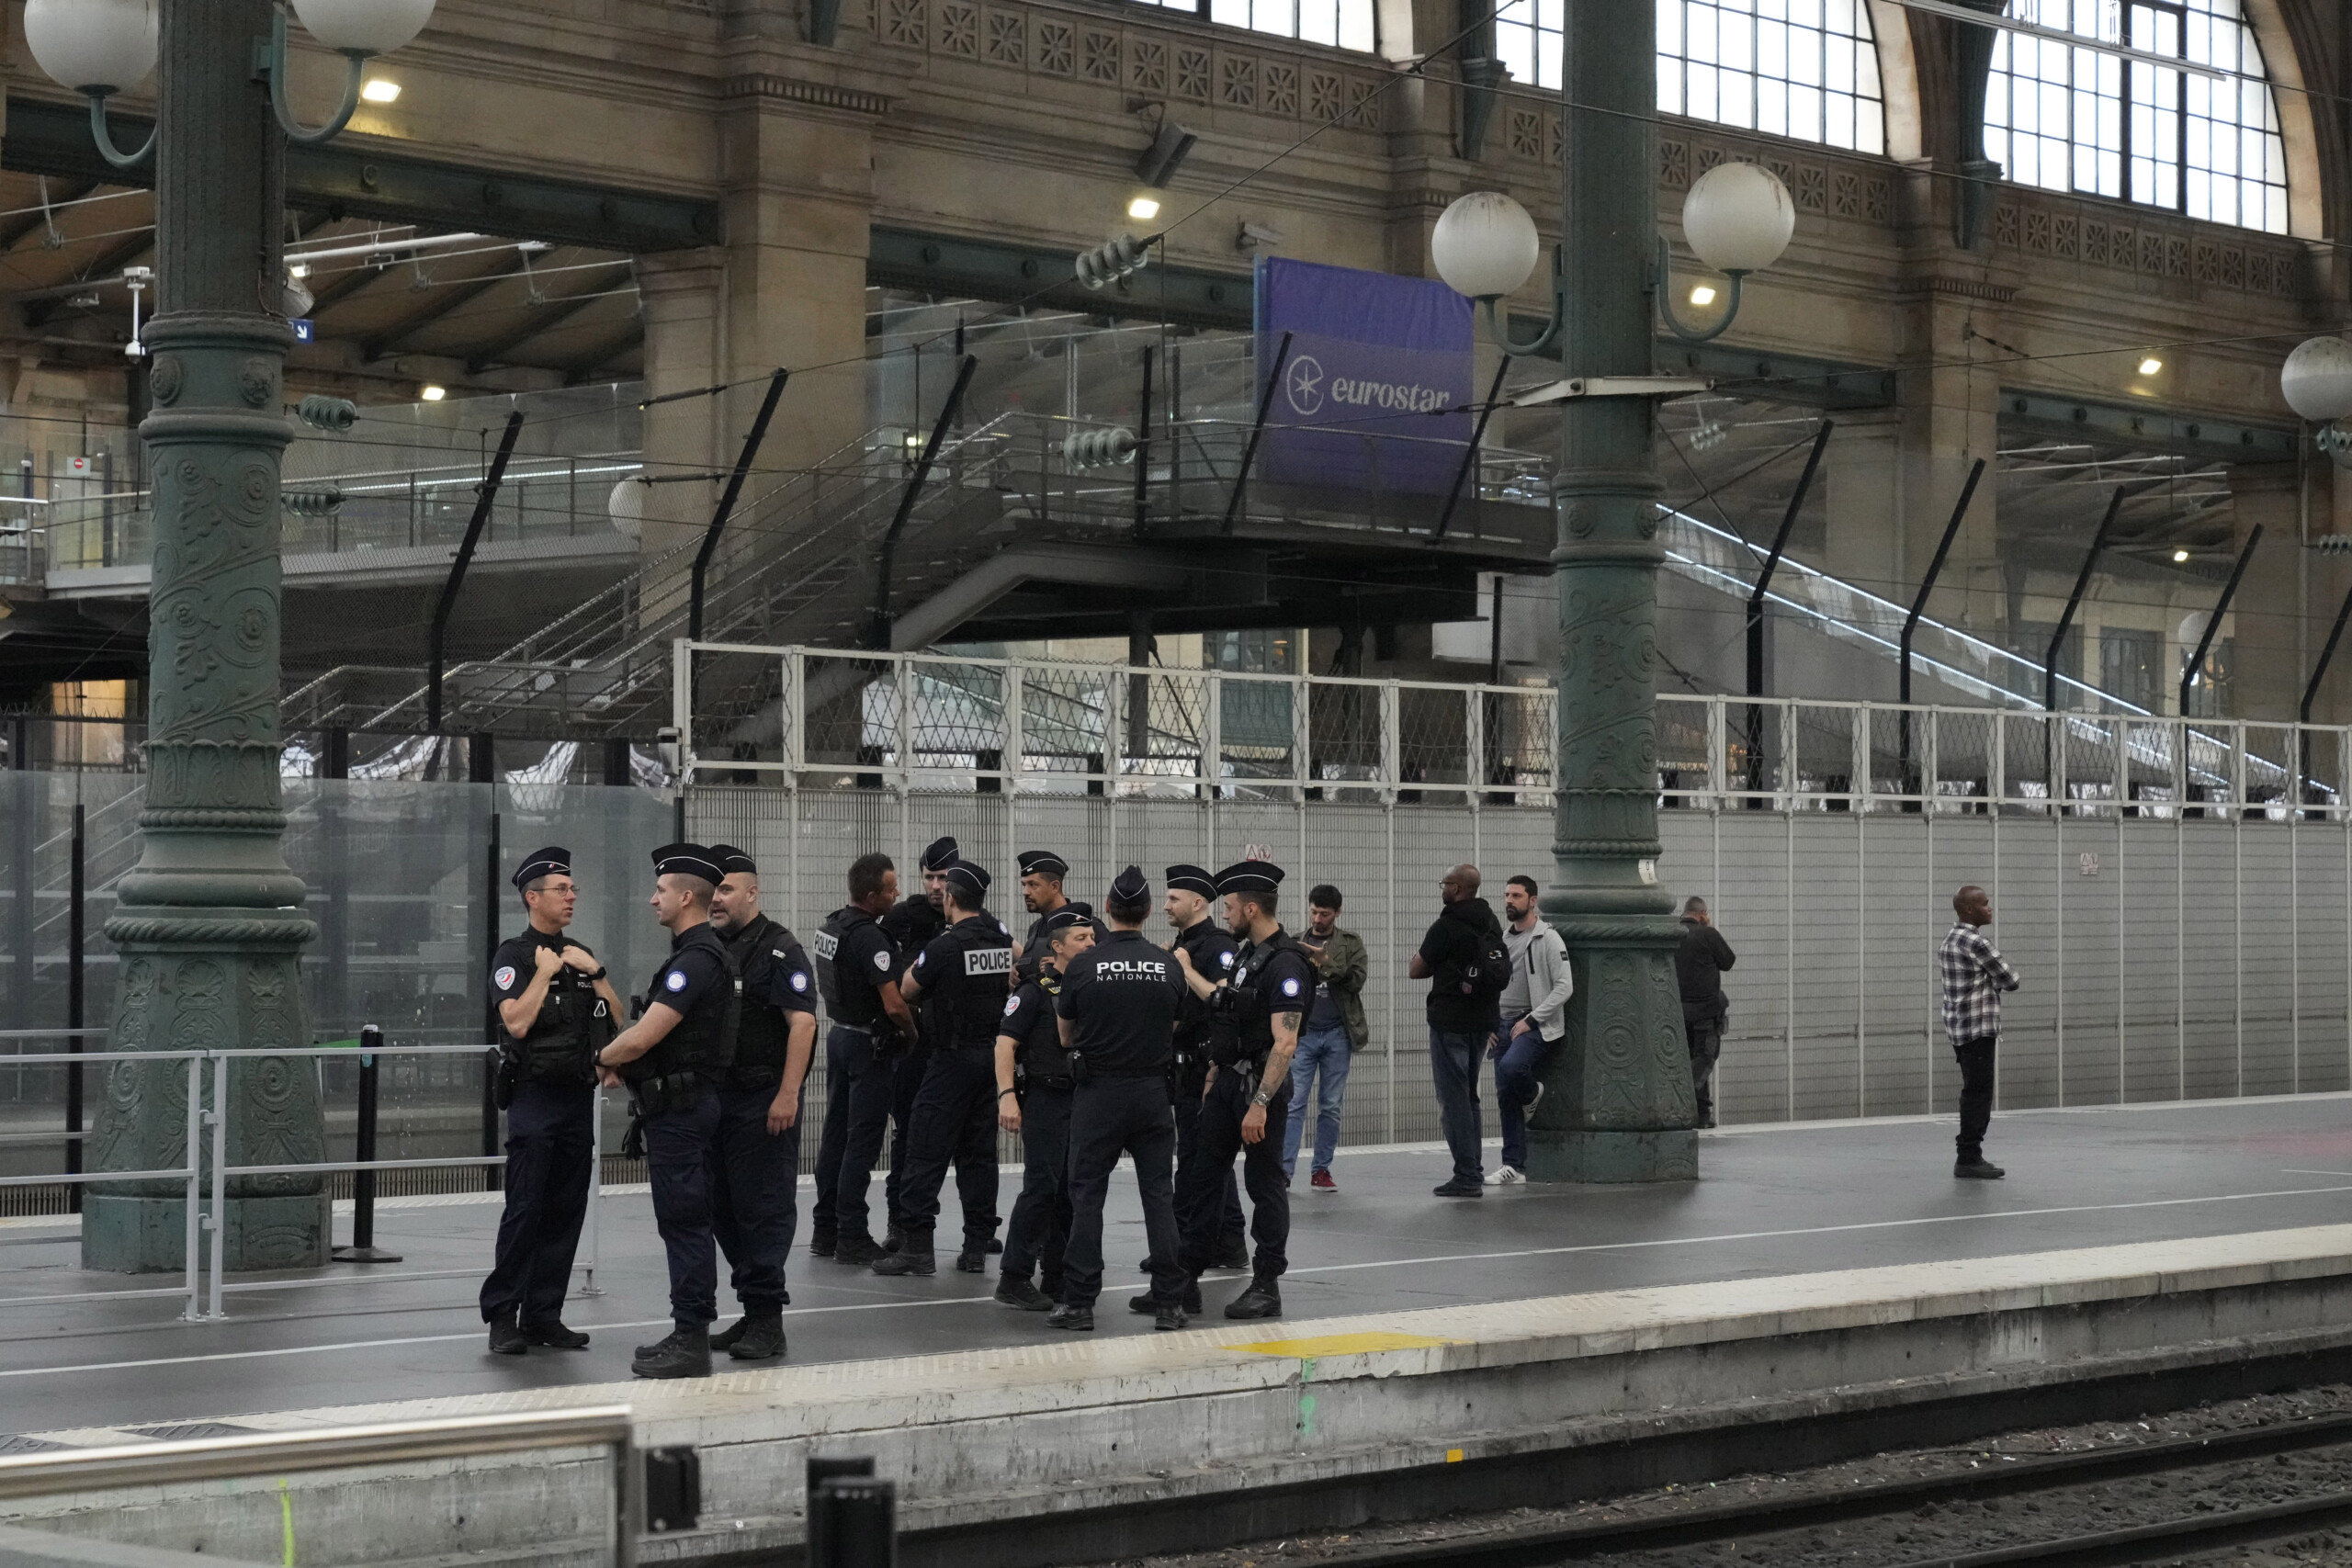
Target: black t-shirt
x,y
1211,950
1454,941
963,975
777,972
862,959
910,924
512,966
1122,996
1030,1018
694,970
1284,980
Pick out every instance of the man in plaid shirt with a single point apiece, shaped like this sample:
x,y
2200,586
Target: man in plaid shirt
x,y
1975,976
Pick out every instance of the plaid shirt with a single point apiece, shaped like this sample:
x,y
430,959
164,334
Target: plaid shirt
x,y
1975,977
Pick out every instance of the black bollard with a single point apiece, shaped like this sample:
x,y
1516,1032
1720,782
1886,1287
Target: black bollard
x,y
363,1247
861,1516
819,1513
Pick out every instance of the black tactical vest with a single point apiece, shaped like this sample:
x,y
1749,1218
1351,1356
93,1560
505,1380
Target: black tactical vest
x,y
572,1026
765,1029
970,997
704,1041
1041,1055
1253,1019
849,998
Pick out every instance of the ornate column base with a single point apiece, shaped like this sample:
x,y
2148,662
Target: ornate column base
x,y
1618,1104
147,1235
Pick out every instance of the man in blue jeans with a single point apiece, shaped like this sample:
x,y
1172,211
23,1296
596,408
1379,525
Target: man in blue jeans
x,y
1455,959
1534,1009
1327,1041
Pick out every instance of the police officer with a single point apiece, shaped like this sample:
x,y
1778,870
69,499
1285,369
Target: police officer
x,y
1118,1018
1249,1080
673,1059
857,974
959,980
755,1168
1191,894
556,1007
1033,1097
1042,874
917,919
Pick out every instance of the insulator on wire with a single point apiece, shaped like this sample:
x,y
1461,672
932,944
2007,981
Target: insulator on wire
x,y
334,415
1099,448
312,502
1112,259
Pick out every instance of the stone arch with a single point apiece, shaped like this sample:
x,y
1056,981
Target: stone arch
x,y
1898,83
2306,188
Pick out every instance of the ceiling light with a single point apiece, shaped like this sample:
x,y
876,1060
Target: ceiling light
x,y
380,90
2150,365
1170,145
2178,557
1143,208
299,269
432,394
1702,295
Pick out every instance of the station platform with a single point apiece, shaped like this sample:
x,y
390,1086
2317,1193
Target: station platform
x,y
1835,1268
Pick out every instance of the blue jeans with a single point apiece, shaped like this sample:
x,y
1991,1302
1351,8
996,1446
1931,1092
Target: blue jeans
x,y
1515,1077
1453,1068
1322,1061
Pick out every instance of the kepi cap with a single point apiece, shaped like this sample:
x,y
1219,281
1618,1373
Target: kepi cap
x,y
732,859
938,854
1061,920
1131,888
1042,862
1249,877
553,860
963,873
687,859
1192,879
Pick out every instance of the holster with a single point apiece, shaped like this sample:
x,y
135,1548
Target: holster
x,y
1080,1073
501,1080
633,1140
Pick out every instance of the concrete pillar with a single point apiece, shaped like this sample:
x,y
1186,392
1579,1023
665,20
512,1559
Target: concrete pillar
x,y
1950,418
684,309
2272,655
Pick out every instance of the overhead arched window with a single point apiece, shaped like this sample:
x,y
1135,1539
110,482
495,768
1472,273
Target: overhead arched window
x,y
2070,120
1805,69
1344,24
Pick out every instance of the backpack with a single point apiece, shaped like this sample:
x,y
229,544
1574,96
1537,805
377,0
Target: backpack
x,y
1482,978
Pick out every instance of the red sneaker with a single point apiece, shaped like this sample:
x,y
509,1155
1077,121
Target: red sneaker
x,y
1321,1182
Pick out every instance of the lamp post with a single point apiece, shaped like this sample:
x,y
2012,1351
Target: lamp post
x,y
209,924
1618,1105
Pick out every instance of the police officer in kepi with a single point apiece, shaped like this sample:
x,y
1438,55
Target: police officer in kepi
x,y
755,1167
1192,894
1033,1098
1118,1018
917,919
674,1059
1042,874
958,979
557,1008
1248,1081
857,970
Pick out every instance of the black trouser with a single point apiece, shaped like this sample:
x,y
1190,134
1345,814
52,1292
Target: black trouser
x,y
678,1145
953,1119
1707,1038
1219,1136
1038,1234
1227,1225
975,1160
551,1133
755,1181
1976,1058
858,1117
1109,1117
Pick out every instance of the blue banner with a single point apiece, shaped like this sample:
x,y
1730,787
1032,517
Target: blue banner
x,y
1376,388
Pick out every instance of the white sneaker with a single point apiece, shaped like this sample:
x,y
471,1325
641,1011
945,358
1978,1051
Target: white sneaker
x,y
1506,1176
1533,1100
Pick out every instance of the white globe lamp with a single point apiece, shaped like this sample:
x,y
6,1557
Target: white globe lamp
x,y
94,46
363,27
626,506
2316,380
1738,217
1485,246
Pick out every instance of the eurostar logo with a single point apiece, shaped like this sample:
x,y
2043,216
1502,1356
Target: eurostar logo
x,y
1303,384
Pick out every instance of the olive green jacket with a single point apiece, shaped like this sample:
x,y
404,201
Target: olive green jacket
x,y
1345,969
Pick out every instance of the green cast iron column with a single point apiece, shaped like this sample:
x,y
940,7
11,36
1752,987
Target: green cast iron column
x,y
1618,1105
209,924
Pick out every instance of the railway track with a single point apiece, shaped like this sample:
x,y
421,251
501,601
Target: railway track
x,y
2167,1539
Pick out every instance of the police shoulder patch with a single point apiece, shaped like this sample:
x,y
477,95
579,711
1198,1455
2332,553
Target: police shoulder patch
x,y
675,980
1290,987
1226,958
882,960
1012,1006
799,979
504,977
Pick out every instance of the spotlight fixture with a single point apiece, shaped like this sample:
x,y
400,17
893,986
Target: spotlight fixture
x,y
380,90
2178,557
2150,365
1702,295
1170,145
431,393
1144,209
298,269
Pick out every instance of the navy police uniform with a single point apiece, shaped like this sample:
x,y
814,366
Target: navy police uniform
x,y
550,1123
855,959
755,1174
1211,950
1122,997
1039,1231
673,1092
1269,977
960,977
912,924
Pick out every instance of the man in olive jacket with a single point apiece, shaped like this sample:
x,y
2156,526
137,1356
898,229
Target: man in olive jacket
x,y
1333,1032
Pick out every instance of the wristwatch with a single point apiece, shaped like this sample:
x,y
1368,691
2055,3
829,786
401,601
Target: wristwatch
x,y
1262,1099
599,975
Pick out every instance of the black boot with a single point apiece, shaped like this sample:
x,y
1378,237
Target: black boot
x,y
686,1354
725,1339
1976,1167
858,1250
820,1244
505,1339
995,1246
1022,1295
893,1239
973,1259
1077,1319
1147,1303
1234,1255
757,1339
1168,1316
555,1336
1262,1299
914,1257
